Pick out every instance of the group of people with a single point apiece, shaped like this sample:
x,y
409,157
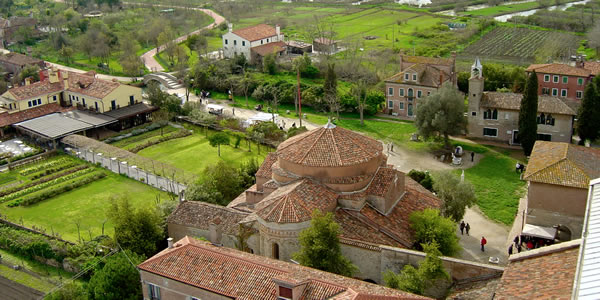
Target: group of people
x,y
465,227
528,241
204,95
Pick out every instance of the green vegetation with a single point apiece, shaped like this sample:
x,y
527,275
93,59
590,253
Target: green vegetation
x,y
432,228
25,279
528,114
456,194
503,9
117,279
589,113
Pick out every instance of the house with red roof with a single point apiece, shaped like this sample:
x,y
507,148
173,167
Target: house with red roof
x,y
563,80
253,42
331,169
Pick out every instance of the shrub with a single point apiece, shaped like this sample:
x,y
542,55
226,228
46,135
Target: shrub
x,y
422,178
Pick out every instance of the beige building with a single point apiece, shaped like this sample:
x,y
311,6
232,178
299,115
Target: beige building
x,y
331,169
191,269
253,42
419,77
495,115
558,176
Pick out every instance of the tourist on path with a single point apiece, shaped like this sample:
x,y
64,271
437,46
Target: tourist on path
x,y
467,228
483,242
519,248
510,249
472,156
462,227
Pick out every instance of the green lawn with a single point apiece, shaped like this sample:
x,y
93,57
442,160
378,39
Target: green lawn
x,y
194,153
87,205
25,279
46,271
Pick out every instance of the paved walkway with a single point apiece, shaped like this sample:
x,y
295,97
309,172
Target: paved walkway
x,y
496,235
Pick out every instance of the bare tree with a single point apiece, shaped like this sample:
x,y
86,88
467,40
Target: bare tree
x,y
360,92
594,38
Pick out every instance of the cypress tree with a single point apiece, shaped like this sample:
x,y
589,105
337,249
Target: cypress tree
x,y
528,114
588,118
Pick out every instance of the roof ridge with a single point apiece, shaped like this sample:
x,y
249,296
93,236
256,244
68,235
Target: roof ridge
x,y
335,148
310,148
544,168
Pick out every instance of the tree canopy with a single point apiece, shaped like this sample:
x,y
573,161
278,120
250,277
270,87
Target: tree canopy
x,y
588,117
218,139
320,246
528,114
117,278
442,113
456,194
430,227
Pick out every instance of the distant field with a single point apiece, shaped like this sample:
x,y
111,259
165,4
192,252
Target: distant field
x,y
521,45
503,9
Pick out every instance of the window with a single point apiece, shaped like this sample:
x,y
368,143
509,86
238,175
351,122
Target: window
x,y
153,291
39,101
29,103
243,43
54,98
490,114
490,132
563,93
554,92
131,100
267,40
235,42
474,113
545,91
69,97
579,81
419,94
550,120
565,79
96,104
410,92
390,104
83,101
579,94
401,91
555,78
495,114
415,77
261,42
541,119
113,104
226,42
390,91
405,76
275,250
285,293
546,78
428,93
544,137
401,105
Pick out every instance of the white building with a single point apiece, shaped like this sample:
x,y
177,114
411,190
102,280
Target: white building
x,y
253,42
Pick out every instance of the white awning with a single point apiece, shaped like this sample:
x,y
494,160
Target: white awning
x,y
214,107
262,116
539,231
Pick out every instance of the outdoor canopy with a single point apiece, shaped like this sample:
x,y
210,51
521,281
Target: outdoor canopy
x,y
548,233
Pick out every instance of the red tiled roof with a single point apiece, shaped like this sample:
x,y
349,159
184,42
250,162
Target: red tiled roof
x,y
7,119
257,32
382,181
269,48
201,214
563,164
35,89
329,147
294,203
242,275
91,86
264,170
20,59
562,69
512,101
428,75
545,273
593,66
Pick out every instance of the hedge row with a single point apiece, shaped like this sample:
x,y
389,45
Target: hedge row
x,y
55,191
49,171
45,165
44,185
134,132
179,134
46,179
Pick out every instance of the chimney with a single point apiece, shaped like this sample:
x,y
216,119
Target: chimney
x,y
27,81
66,80
170,243
53,75
230,25
42,75
579,63
278,31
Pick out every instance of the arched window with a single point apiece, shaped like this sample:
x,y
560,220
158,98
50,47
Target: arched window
x,y
542,119
495,114
487,114
275,249
410,92
550,120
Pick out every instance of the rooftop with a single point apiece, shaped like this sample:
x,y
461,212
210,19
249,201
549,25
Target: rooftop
x,y
329,147
563,164
58,125
88,84
428,75
256,32
512,101
201,214
269,48
19,59
131,110
35,89
242,275
589,68
7,119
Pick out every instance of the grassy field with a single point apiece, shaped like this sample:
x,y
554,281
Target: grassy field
x,y
47,272
194,153
26,279
85,205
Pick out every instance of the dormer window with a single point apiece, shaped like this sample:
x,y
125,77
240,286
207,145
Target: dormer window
x,y
406,76
285,293
415,77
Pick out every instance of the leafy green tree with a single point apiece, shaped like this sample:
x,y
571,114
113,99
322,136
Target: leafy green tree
x,y
456,194
218,139
430,228
588,117
320,246
417,280
138,230
442,113
70,291
330,89
269,64
528,114
118,278
155,95
30,71
219,184
360,94
129,60
67,53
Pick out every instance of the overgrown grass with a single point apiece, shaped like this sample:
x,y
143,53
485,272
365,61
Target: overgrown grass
x,y
25,279
46,271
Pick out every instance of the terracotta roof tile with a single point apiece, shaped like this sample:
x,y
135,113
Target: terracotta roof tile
x,y
563,164
295,202
242,275
269,48
20,59
35,89
382,181
7,119
593,66
512,101
91,86
547,276
428,75
561,69
329,147
264,170
428,60
200,215
257,32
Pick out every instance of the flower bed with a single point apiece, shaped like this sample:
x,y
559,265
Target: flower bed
x,y
53,170
44,185
55,191
45,179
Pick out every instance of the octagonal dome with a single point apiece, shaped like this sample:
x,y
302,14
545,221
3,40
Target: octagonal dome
x,y
329,146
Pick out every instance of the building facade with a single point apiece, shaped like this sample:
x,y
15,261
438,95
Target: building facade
x,y
418,78
495,115
253,42
562,80
15,62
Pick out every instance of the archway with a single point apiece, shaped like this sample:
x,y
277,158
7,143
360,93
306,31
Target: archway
x,y
275,251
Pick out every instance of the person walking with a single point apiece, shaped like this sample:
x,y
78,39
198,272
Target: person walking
x,y
510,249
472,156
467,228
517,167
483,242
516,240
462,227
519,248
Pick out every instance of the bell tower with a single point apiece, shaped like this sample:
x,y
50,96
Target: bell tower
x,y
476,82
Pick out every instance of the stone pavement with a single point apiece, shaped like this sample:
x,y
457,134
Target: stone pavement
x,y
495,234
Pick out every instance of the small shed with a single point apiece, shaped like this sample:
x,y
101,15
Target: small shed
x,y
298,47
325,45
